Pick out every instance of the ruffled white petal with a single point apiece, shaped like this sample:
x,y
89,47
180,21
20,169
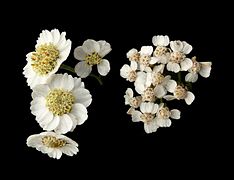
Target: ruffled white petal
x,y
160,91
82,69
160,40
163,122
189,98
131,53
169,97
52,124
136,116
79,53
40,91
103,67
191,77
205,69
80,112
65,124
105,48
187,48
174,67
146,50
151,126
124,71
176,46
175,114
82,96
186,64
133,65
90,46
171,85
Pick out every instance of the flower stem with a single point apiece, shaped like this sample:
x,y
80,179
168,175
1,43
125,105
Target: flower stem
x,y
179,77
98,78
68,68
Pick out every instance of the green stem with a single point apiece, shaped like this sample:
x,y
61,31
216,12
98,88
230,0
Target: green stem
x,y
179,77
68,68
98,78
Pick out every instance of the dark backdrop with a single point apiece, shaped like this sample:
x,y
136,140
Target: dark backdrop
x,y
109,137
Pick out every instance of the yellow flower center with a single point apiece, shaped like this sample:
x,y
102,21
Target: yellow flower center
x,y
148,95
157,78
160,50
135,57
147,117
180,92
53,142
59,101
164,113
93,59
177,57
44,59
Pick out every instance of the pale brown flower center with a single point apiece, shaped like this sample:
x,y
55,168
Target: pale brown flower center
x,y
160,51
53,142
132,76
157,78
135,57
93,59
164,113
177,57
147,117
180,92
135,101
149,95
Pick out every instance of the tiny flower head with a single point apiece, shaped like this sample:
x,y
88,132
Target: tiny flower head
x,y
53,144
129,72
52,49
92,53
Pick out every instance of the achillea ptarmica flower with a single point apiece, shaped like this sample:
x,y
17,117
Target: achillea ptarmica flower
x,y
156,77
52,49
53,144
91,53
60,104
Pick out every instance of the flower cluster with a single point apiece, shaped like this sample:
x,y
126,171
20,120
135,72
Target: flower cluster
x,y
60,101
156,74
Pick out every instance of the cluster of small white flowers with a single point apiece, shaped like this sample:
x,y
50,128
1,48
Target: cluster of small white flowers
x,y
152,70
60,101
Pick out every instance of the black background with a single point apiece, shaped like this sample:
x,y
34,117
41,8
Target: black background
x,y
109,139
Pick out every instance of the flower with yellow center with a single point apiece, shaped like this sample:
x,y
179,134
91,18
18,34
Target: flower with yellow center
x,y
52,49
147,116
181,92
164,114
202,68
129,72
91,53
178,61
60,104
53,144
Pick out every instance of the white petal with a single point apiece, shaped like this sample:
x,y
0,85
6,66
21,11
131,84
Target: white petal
x,y
80,112
52,124
37,104
186,64
77,83
163,122
131,53
103,67
171,85
175,114
124,71
154,109
149,107
82,69
159,68
34,140
169,97
176,46
40,91
129,92
151,126
46,120
146,50
189,98
191,77
105,48
133,65
174,67
136,116
67,82
79,53
205,69
65,124
56,36
90,46
160,91
153,60
82,96
187,48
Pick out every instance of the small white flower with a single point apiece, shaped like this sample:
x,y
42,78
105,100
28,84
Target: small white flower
x,y
179,92
145,57
60,104
178,61
52,49
203,68
143,81
129,72
134,102
53,144
92,53
147,116
164,114
133,55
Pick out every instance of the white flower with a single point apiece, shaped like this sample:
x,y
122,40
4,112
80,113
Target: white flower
x,y
164,114
92,53
203,68
145,57
53,144
52,49
129,72
147,116
179,92
133,55
161,52
60,104
143,81
178,61
134,102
